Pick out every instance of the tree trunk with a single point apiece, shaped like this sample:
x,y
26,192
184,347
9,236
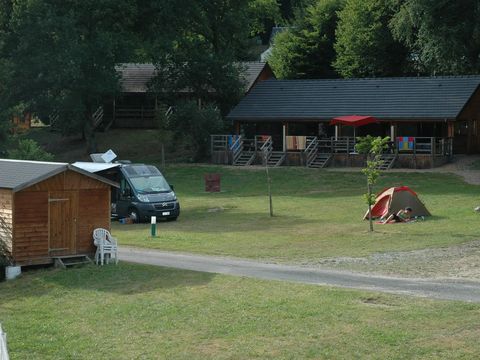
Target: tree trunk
x,y
89,133
369,187
269,185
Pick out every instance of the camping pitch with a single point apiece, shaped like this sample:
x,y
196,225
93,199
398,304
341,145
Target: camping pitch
x,y
393,199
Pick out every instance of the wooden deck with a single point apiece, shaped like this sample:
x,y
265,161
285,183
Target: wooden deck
x,y
416,152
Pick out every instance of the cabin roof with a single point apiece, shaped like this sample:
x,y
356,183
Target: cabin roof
x,y
135,77
20,174
385,98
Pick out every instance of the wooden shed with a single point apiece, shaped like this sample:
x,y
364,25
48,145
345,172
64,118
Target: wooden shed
x,y
50,210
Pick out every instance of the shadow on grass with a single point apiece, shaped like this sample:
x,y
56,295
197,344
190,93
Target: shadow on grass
x,y
199,220
122,279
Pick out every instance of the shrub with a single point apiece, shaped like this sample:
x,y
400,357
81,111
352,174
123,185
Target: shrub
x,y
192,128
28,149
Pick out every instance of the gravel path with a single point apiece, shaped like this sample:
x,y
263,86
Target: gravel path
x,y
438,289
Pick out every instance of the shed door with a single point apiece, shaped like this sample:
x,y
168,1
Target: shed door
x,y
62,217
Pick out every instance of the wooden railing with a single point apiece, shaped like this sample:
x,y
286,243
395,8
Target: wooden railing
x,y
343,145
265,147
218,142
135,113
311,149
97,116
236,148
428,146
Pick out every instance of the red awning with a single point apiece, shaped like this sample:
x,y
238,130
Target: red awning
x,y
353,120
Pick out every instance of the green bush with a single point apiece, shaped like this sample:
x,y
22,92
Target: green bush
x,y
192,127
28,149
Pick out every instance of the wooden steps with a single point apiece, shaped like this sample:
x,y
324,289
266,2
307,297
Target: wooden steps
x,y
276,158
246,158
388,161
71,260
321,160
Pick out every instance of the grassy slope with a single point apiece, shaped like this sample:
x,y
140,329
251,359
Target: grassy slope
x,y
136,145
141,312
317,214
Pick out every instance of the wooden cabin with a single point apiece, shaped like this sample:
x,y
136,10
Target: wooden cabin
x,y
50,210
428,119
136,106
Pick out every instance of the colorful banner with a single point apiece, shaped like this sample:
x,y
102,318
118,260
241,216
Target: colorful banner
x,y
405,143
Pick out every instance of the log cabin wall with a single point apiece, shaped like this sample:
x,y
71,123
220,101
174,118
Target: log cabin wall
x,y
93,212
471,114
30,226
31,215
6,207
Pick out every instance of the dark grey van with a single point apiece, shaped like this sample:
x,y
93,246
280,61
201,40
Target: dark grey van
x,y
143,193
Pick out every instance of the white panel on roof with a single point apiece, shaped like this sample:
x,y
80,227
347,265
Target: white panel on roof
x,y
94,167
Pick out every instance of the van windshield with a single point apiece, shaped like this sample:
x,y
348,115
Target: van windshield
x,y
150,184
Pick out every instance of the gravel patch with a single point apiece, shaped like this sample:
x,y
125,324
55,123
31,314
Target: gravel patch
x,y
454,262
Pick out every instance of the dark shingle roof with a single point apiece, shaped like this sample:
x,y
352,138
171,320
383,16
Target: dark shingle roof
x,y
19,174
135,77
384,98
252,71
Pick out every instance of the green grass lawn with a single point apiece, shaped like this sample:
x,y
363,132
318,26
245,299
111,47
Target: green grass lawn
x,y
141,312
318,214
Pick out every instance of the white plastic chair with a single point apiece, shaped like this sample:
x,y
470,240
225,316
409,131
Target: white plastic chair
x,y
106,245
3,345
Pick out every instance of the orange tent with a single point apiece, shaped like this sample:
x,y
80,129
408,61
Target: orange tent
x,y
393,199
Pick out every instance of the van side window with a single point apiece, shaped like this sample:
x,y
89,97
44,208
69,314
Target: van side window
x,y
125,190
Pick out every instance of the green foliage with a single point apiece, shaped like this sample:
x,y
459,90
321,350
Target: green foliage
x,y
62,55
373,148
28,149
365,45
306,49
263,15
192,127
443,36
202,58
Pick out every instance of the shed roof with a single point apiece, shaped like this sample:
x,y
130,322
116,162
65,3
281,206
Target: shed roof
x,y
385,98
135,77
20,174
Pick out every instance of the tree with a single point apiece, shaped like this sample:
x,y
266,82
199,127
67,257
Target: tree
x,y
263,15
443,36
202,61
373,148
62,57
365,45
192,127
306,49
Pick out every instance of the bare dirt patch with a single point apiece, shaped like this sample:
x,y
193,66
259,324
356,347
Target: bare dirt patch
x,y
457,262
